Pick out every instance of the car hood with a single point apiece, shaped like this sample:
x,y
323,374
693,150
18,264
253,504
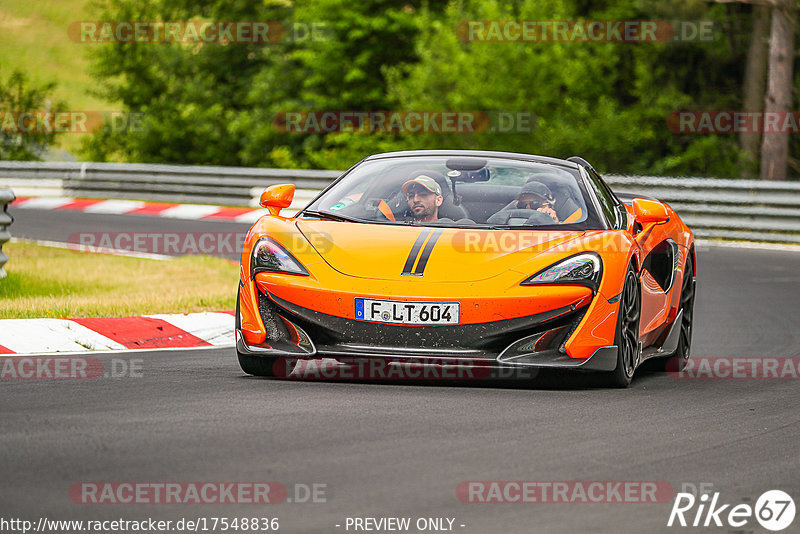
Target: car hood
x,y
433,254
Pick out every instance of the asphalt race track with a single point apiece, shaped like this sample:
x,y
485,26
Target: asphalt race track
x,y
63,226
401,449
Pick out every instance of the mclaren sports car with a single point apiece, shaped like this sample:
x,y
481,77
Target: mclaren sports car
x,y
489,260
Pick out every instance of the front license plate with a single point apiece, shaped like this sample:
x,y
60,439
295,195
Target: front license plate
x,y
390,311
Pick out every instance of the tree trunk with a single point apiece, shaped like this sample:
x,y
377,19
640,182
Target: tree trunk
x,y
775,146
755,78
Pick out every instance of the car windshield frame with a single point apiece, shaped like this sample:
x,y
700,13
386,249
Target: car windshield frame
x,y
578,191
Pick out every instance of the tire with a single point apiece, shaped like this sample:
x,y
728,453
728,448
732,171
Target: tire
x,y
627,335
253,365
257,365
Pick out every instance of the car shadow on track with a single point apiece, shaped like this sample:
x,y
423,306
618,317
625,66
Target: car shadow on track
x,y
541,380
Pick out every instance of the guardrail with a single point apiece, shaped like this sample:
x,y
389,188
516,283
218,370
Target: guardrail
x,y
6,197
169,183
713,208
749,210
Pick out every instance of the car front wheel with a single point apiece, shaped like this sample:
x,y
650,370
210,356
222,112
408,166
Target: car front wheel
x,y
627,336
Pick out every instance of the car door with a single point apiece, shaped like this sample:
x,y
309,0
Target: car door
x,y
657,253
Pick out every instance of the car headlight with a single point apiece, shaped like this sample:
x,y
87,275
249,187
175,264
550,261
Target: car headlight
x,y
268,256
582,269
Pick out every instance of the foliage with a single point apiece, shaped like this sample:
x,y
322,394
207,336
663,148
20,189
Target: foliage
x,y
18,95
606,101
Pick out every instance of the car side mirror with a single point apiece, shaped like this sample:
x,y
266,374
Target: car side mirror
x,y
649,211
277,197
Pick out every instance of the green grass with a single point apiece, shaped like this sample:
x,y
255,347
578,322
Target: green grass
x,y
33,39
53,282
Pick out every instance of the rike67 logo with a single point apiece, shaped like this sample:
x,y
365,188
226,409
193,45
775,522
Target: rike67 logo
x,y
774,510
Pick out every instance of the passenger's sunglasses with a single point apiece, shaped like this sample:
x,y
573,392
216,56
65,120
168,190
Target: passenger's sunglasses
x,y
533,204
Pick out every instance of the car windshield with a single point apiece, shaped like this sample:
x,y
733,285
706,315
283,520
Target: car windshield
x,y
459,191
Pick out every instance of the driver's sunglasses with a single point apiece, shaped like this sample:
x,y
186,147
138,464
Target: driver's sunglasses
x,y
532,204
416,192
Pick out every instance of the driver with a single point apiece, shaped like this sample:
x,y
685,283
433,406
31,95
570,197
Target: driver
x,y
536,196
424,197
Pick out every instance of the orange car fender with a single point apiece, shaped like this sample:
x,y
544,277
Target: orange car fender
x,y
283,231
252,325
598,327
618,250
686,251
677,230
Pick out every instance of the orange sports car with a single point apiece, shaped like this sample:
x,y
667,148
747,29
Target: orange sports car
x,y
490,260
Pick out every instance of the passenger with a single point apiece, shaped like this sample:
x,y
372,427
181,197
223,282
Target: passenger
x,y
536,196
567,210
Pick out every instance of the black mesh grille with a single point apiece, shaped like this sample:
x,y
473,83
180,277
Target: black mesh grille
x,y
276,330
491,337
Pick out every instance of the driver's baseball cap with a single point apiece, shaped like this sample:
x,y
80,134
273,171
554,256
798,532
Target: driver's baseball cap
x,y
425,181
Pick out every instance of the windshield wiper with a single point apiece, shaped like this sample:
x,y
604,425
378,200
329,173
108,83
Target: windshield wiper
x,y
475,226
331,216
546,227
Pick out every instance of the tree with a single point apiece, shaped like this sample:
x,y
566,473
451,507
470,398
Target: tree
x,y
188,95
755,78
345,69
775,146
28,139
607,101
215,104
